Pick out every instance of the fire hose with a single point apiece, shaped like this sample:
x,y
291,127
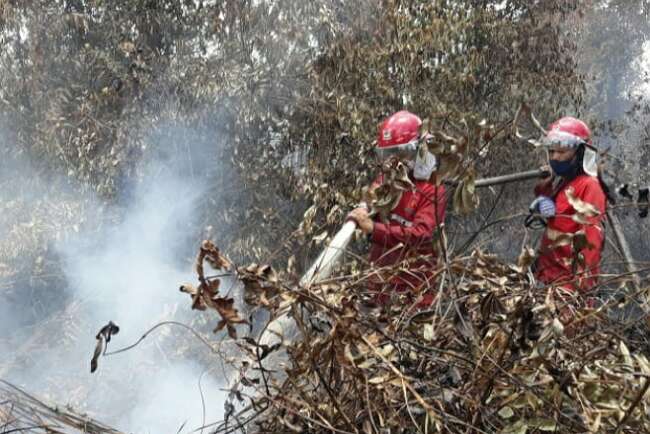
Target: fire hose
x,y
329,257
322,266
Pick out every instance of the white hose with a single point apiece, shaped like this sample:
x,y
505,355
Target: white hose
x,y
284,325
322,266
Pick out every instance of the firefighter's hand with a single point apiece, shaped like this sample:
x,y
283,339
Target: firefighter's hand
x,y
548,179
365,223
543,206
545,184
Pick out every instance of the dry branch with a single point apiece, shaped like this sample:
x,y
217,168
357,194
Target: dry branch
x,y
492,355
21,412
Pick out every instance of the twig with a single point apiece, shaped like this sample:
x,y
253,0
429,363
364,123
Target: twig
x,y
160,324
47,427
637,400
333,398
411,389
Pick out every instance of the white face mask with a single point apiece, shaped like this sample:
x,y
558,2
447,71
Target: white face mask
x,y
425,164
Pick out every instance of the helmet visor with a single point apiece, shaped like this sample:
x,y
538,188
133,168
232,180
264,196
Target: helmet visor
x,y
561,139
407,151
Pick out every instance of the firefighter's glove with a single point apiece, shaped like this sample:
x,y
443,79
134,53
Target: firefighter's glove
x,y
362,218
540,210
544,206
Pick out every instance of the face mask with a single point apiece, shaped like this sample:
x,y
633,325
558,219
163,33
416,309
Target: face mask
x,y
425,162
562,168
425,165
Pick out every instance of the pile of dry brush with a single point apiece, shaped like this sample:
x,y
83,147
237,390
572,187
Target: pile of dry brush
x,y
490,356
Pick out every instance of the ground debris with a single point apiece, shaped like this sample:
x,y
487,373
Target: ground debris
x,y
22,413
495,353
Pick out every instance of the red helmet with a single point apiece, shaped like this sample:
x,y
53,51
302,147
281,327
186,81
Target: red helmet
x,y
568,132
572,133
399,134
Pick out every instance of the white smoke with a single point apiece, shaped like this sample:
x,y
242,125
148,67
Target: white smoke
x,y
127,269
169,390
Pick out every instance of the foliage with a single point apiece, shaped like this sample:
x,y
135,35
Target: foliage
x,y
494,353
296,88
453,63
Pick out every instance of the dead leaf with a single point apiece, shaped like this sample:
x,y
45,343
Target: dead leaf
x,y
581,207
526,257
103,338
229,315
465,198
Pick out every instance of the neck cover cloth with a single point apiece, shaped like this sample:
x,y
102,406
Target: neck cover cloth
x,y
425,163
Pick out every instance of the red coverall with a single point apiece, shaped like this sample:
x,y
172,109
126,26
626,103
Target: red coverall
x,y
413,224
556,262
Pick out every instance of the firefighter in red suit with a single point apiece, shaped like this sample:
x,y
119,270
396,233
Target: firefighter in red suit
x,y
570,265
409,236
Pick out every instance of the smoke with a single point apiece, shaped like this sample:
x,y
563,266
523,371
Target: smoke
x,y
169,391
125,265
613,53
126,270
7,318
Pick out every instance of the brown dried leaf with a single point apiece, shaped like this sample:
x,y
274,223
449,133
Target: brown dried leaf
x,y
586,209
558,238
526,257
230,316
214,257
465,197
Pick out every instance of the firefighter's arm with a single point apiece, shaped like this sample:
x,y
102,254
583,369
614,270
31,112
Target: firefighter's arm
x,y
430,213
544,187
594,196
